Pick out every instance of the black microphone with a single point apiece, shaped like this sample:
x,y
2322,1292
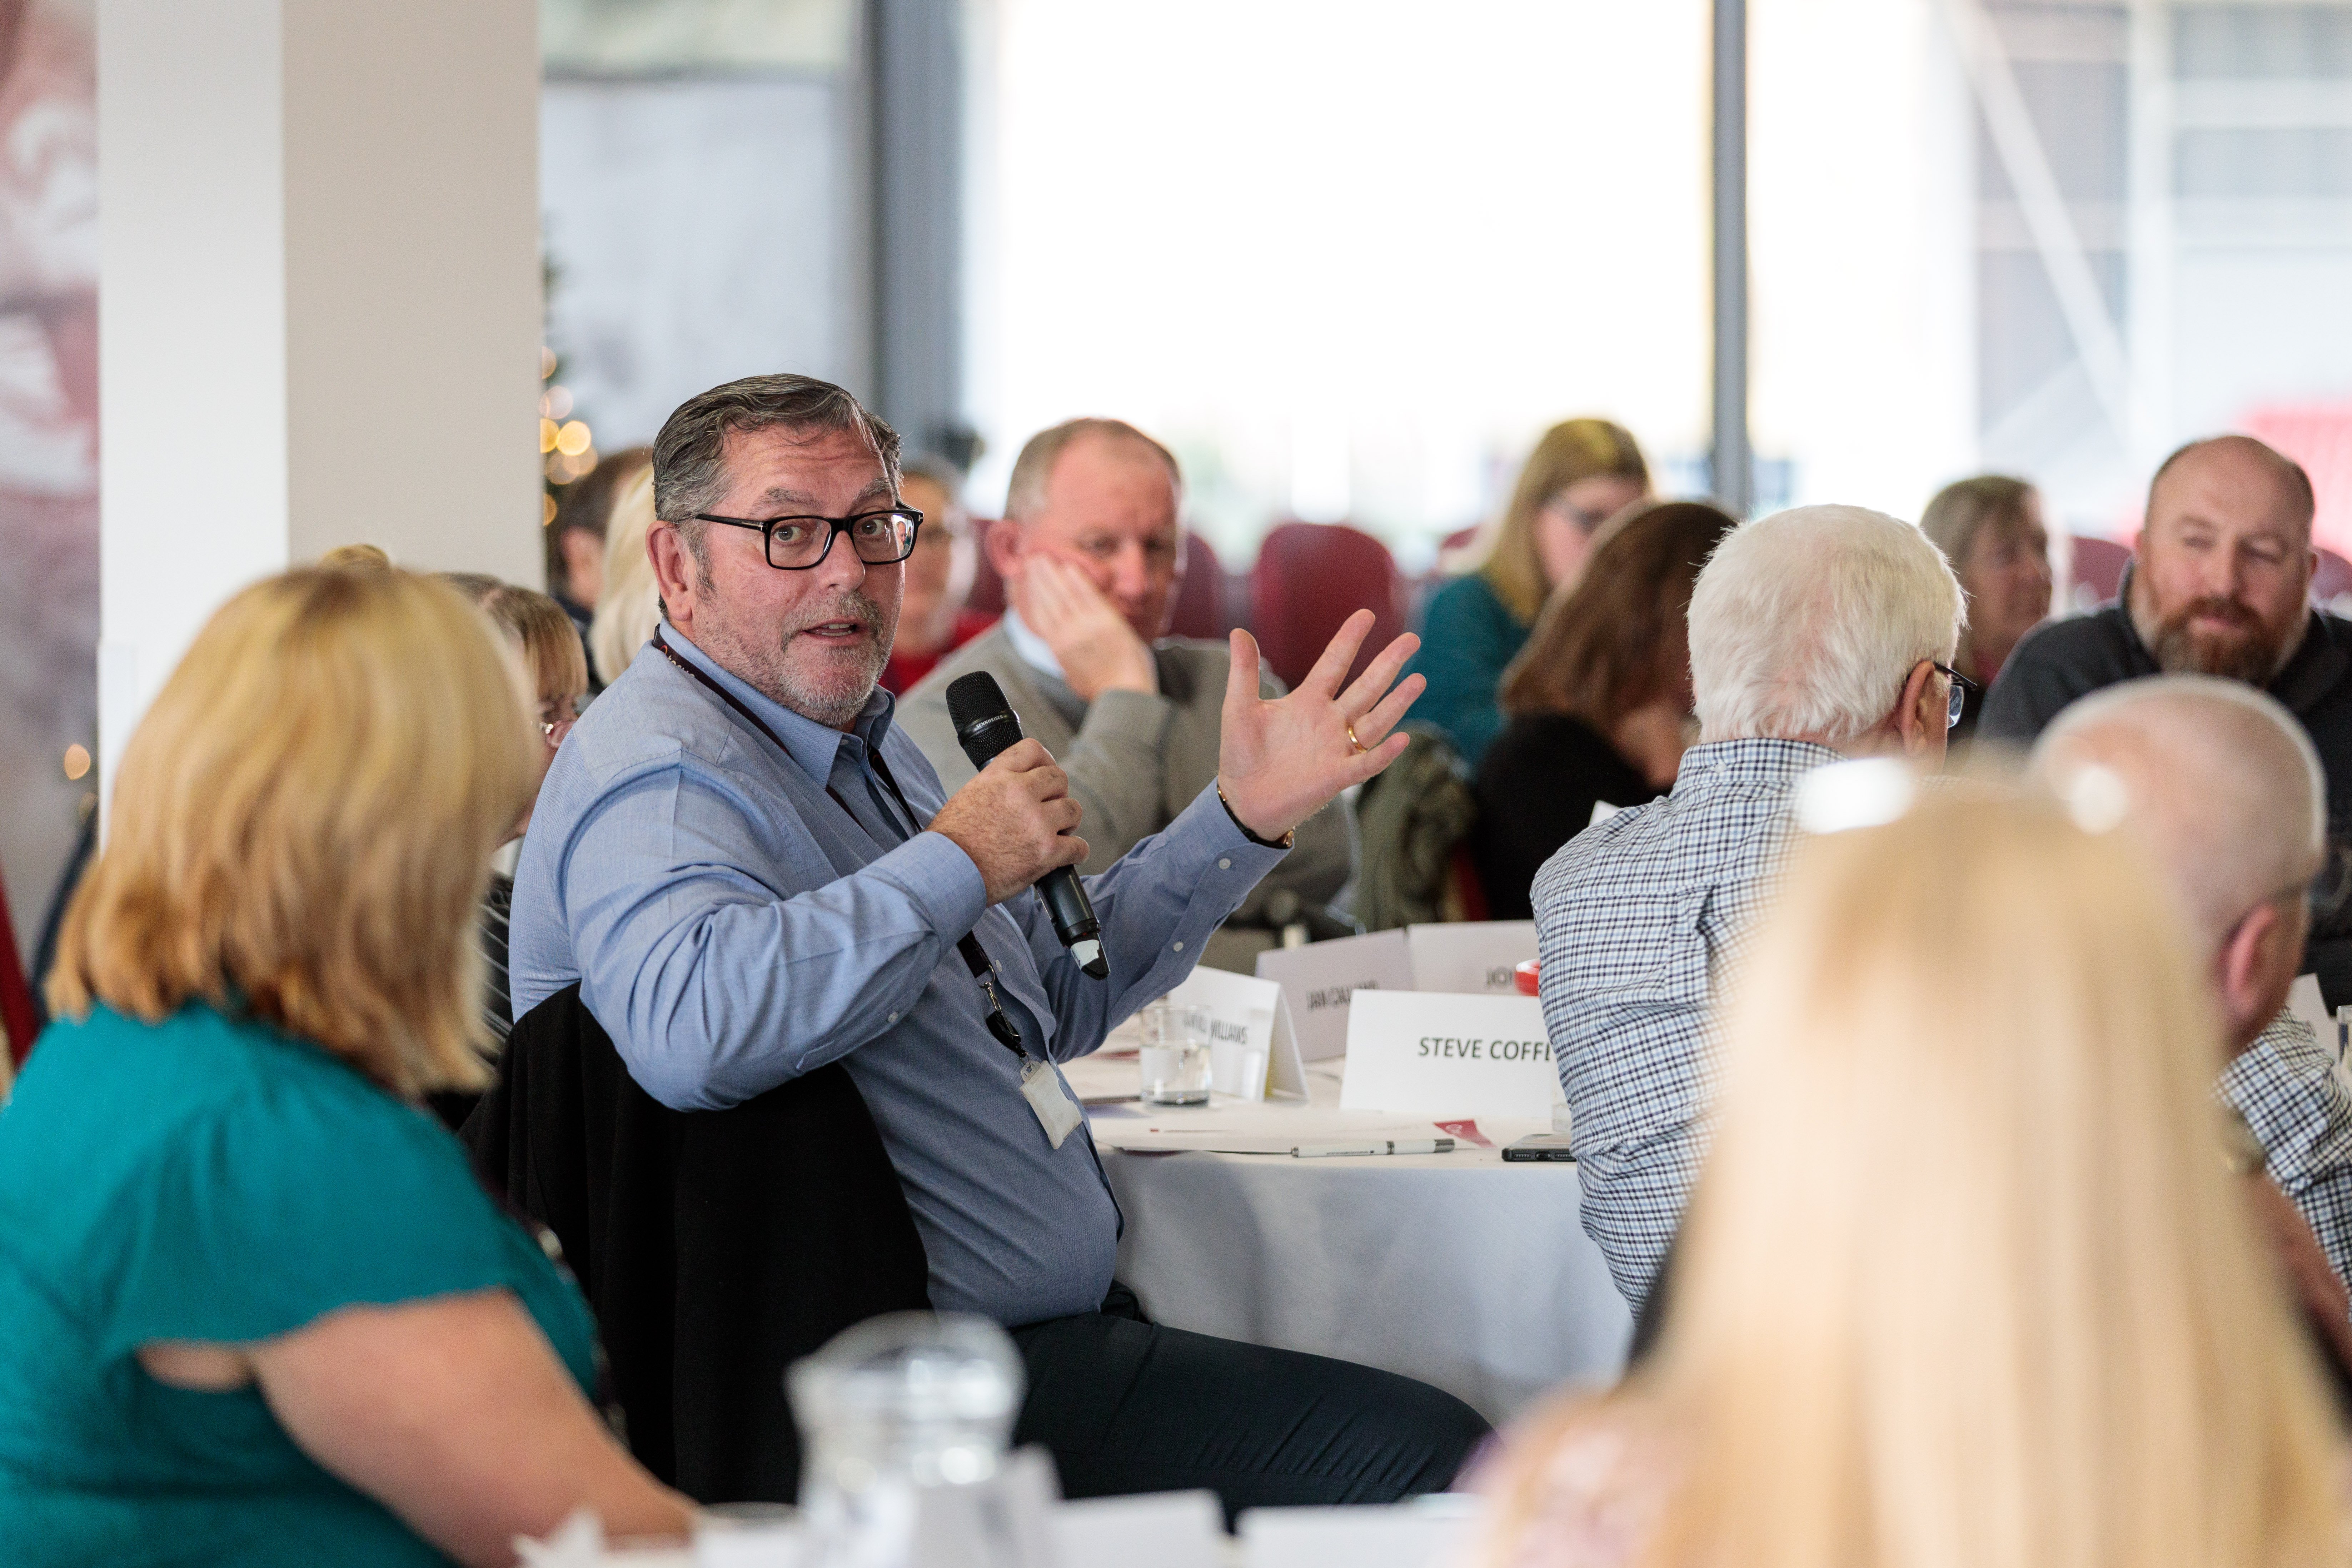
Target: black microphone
x,y
985,724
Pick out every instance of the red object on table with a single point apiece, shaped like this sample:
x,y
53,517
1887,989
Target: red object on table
x,y
1525,976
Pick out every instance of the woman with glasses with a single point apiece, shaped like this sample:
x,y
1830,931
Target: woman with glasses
x,y
540,633
259,1310
1583,473
1966,1281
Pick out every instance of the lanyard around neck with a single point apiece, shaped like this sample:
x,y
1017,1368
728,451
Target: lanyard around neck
x,y
975,957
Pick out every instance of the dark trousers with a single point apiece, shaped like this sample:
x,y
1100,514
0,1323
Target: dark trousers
x,y
1128,1407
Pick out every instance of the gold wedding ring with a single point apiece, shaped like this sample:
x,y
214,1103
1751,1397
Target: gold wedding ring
x,y
1360,747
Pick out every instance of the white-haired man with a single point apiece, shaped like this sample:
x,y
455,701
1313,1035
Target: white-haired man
x,y
2228,792
1816,634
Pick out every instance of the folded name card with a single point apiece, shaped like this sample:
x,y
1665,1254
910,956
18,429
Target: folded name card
x,y
1434,1053
1469,956
1318,980
1251,1051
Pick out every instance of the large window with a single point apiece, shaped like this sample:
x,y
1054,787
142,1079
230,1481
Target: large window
x,y
1350,258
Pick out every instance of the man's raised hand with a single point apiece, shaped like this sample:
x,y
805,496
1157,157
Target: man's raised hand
x,y
1278,760
1015,819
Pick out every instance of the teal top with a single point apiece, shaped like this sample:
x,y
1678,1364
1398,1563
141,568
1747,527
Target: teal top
x,y
214,1180
1467,639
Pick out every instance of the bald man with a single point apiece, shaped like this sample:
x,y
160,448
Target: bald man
x,y
2225,788
2221,586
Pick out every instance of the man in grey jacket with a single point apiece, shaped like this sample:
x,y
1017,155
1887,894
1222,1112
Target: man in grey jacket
x,y
1091,549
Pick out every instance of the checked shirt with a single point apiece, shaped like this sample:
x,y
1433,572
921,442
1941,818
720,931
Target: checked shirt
x,y
1635,917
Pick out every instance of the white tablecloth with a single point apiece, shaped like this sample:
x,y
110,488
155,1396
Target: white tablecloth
x,y
1459,1270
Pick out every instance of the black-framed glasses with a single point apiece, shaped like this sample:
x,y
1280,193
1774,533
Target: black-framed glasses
x,y
796,543
1956,701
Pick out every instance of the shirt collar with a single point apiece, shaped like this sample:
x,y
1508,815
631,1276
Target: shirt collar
x,y
1032,648
1753,759
813,746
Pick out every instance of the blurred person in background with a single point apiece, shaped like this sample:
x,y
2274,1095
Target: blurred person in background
x,y
1990,527
577,557
1815,634
2220,584
1965,1283
259,1310
1091,549
630,606
1598,705
541,635
2224,788
933,621
1583,473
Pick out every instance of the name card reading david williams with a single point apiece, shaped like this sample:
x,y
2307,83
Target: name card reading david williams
x,y
1428,1053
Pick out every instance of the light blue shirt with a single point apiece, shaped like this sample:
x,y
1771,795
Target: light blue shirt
x,y
733,927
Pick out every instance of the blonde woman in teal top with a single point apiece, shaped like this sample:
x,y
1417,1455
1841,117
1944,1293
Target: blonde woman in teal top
x,y
258,1309
1583,473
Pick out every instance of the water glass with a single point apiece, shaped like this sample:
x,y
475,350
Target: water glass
x,y
1175,1054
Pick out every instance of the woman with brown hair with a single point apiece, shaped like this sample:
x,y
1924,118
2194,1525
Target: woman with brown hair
x,y
1598,703
1966,1282
1990,529
259,1310
1583,473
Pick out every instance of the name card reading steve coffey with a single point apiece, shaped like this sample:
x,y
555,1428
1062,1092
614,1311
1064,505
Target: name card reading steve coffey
x,y
1321,979
1430,1053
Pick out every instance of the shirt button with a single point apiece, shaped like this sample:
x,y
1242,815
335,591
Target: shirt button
x,y
894,1018
1180,947
1224,865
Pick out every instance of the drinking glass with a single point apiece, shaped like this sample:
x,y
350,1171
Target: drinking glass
x,y
1175,1054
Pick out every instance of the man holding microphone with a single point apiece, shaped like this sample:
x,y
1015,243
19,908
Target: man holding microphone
x,y
751,873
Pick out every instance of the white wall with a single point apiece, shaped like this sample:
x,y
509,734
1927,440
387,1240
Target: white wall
x,y
320,307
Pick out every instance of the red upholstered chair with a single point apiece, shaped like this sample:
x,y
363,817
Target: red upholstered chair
x,y
2099,566
16,997
987,587
1309,577
1199,607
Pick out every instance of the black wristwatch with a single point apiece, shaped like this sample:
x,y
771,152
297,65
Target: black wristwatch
x,y
1285,842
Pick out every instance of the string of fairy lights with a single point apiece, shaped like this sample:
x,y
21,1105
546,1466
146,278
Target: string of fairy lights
x,y
567,448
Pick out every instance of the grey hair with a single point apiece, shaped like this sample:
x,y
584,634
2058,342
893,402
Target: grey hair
x,y
1024,495
1806,623
2220,778
691,453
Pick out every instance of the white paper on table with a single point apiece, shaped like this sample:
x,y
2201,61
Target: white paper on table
x,y
1427,1532
1435,1054
1253,1053
1156,1530
1477,956
1318,980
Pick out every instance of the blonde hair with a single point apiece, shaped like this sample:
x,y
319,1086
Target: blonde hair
x,y
1964,1283
536,627
302,824
631,605
1571,450
1960,511
355,558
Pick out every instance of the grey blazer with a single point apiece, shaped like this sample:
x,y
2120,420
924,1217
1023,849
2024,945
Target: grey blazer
x,y
1134,760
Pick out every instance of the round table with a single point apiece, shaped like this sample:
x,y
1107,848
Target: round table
x,y
1460,1270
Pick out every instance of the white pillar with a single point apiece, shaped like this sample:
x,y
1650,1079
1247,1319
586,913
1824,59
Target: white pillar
x,y
319,303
